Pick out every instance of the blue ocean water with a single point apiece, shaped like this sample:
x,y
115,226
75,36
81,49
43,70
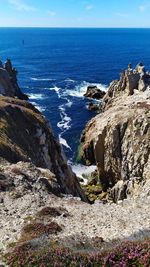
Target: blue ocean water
x,y
56,65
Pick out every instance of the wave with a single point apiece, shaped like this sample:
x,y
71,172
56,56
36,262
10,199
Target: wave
x,y
41,79
64,124
70,80
36,96
80,89
40,108
69,104
57,90
64,142
80,169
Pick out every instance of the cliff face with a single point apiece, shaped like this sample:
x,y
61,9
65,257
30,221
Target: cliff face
x,y
25,135
8,81
118,140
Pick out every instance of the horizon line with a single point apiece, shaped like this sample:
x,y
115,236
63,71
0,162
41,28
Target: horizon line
x,y
65,27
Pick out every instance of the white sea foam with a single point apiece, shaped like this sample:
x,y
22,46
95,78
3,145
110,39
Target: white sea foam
x,y
70,80
41,79
36,96
64,124
69,104
57,90
40,108
64,142
79,90
80,169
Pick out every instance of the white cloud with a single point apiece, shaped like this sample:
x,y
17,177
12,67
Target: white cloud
x,y
20,5
142,8
51,13
89,7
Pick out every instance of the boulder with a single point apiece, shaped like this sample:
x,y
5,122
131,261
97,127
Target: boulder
x,y
94,92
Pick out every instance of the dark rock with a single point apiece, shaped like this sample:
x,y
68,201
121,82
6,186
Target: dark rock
x,y
8,81
94,92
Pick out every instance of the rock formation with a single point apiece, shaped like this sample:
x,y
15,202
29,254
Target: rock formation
x,y
35,218
118,140
25,135
94,92
130,80
8,81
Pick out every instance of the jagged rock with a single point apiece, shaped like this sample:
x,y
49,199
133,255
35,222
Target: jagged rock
x,y
94,92
25,135
118,140
8,81
130,80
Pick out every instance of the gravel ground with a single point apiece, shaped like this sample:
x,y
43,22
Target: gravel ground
x,y
129,219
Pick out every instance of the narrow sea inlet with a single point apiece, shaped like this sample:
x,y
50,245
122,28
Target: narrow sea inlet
x,y
56,65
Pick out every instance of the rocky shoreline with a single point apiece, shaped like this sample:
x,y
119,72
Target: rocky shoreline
x,y
42,204
117,140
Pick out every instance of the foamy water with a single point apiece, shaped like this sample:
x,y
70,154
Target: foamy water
x,y
36,96
41,79
81,170
80,89
40,108
67,91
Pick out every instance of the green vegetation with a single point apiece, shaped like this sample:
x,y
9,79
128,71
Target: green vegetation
x,y
18,124
93,189
79,158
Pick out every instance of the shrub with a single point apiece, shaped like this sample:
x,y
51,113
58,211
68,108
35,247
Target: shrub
x,y
35,230
126,255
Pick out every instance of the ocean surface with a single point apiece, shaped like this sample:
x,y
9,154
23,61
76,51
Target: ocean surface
x,y
55,66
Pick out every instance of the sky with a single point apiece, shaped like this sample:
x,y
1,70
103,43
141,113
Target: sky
x,y
75,13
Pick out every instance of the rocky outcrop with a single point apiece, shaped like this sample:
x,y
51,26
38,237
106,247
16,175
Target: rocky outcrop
x,y
8,81
130,80
118,140
94,92
25,135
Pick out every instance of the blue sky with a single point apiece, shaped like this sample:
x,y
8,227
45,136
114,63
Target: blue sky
x,y
75,13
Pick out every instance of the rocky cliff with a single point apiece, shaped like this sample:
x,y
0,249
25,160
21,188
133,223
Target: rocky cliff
x,y
25,135
118,140
130,80
8,81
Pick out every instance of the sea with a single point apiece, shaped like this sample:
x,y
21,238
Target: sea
x,y
55,66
